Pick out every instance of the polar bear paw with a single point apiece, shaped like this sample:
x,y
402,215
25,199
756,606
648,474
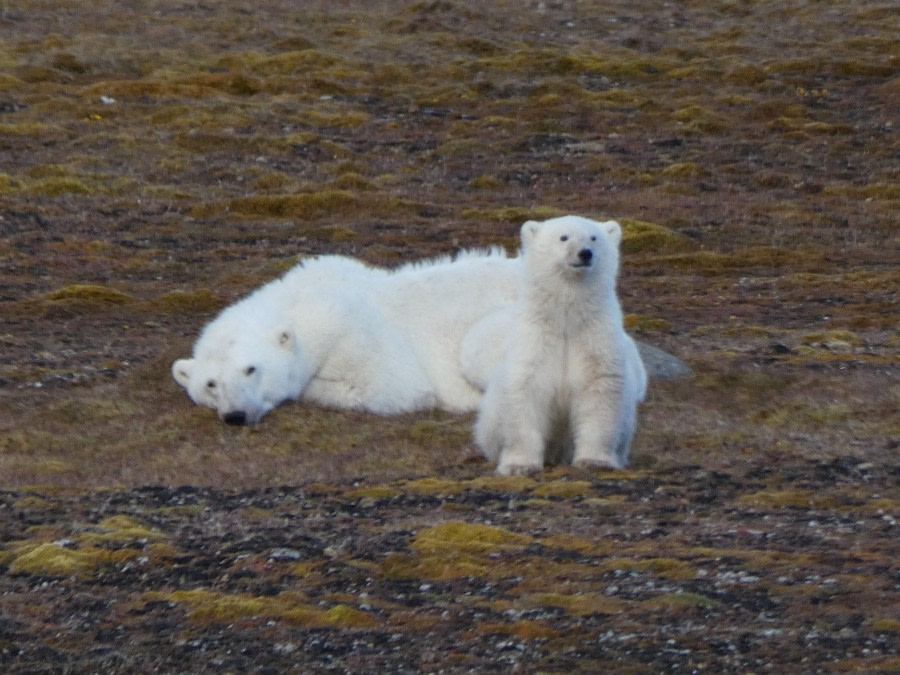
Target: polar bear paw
x,y
605,463
518,469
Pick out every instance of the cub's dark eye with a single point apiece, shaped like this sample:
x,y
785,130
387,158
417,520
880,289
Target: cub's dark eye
x,y
250,370
594,238
211,384
565,237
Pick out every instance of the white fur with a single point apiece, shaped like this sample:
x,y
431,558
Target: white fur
x,y
339,333
484,346
433,305
568,386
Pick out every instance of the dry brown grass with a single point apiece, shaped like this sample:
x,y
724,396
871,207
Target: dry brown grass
x,y
161,162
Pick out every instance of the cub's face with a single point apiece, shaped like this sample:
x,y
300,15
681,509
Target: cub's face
x,y
572,245
242,378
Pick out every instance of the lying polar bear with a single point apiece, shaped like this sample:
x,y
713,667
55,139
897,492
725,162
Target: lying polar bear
x,y
336,332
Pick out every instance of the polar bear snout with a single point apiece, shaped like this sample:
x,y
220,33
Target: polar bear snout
x,y
580,257
235,417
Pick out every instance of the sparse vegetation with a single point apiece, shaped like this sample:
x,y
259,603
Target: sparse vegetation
x,y
162,162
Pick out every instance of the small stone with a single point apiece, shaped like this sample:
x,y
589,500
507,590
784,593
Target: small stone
x,y
284,554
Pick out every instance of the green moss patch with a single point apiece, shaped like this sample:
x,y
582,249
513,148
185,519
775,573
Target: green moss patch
x,y
434,486
833,339
563,489
375,492
454,549
646,324
198,301
206,606
53,187
639,236
115,540
885,626
55,560
505,484
697,119
456,536
96,294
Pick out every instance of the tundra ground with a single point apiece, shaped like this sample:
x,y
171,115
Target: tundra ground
x,y
160,160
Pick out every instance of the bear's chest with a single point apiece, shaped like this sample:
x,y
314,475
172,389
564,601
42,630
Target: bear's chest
x,y
574,361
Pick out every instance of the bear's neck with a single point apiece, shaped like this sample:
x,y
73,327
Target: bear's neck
x,y
572,302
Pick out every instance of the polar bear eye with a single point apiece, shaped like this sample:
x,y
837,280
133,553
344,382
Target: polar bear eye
x,y
250,370
565,237
211,384
594,237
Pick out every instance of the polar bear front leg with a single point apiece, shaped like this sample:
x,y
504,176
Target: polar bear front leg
x,y
525,439
523,456
596,418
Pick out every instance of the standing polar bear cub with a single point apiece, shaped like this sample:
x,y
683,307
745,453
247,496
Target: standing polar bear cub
x,y
568,386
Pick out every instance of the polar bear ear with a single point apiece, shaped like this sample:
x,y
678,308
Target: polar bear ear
x,y
528,231
613,231
181,371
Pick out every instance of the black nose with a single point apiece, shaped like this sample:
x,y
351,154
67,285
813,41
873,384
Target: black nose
x,y
237,418
586,255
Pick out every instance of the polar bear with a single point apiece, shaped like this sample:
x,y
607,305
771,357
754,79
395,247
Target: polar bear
x,y
307,335
568,386
339,333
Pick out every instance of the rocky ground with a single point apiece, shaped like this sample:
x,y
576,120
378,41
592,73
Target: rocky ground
x,y
688,570
160,160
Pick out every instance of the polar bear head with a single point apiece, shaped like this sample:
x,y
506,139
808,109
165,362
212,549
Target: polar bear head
x,y
242,371
572,247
